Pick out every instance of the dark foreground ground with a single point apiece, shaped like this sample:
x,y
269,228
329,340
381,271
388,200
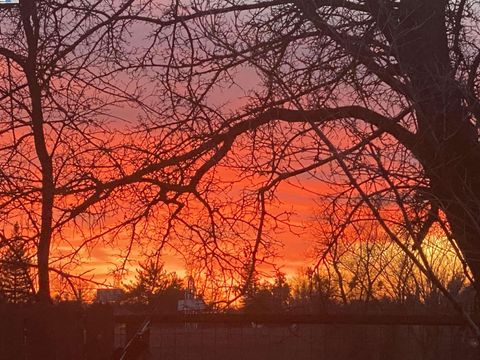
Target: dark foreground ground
x,y
73,332
305,342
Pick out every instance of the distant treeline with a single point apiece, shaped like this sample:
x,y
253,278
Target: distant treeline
x,y
366,277
309,292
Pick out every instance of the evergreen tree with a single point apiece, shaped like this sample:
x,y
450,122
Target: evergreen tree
x,y
281,291
16,285
154,285
264,297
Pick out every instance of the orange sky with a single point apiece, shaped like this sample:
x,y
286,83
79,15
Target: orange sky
x,y
293,255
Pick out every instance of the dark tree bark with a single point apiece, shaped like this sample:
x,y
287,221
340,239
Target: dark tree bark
x,y
31,28
447,142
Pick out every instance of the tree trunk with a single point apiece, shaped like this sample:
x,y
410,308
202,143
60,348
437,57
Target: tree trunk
x,y
456,185
31,28
448,145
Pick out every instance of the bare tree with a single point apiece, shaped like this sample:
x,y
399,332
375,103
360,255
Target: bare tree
x,y
75,79
379,96
400,75
62,80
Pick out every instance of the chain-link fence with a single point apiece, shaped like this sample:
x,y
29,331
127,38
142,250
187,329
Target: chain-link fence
x,y
217,338
77,332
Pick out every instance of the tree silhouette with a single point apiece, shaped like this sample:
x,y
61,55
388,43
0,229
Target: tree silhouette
x,y
16,284
378,99
265,297
65,81
52,134
154,286
77,158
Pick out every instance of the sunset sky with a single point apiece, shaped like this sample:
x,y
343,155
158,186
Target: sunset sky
x,y
294,255
296,196
211,135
